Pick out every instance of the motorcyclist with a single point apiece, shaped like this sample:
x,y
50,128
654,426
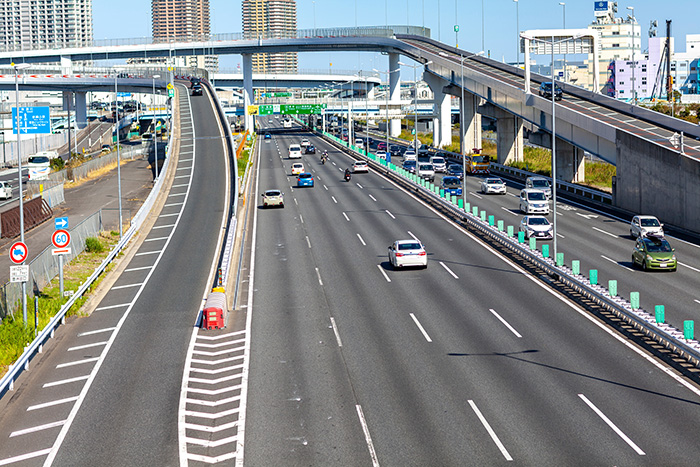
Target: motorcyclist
x,y
347,174
323,158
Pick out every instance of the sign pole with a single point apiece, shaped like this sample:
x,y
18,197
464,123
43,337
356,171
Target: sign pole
x,y
19,183
60,275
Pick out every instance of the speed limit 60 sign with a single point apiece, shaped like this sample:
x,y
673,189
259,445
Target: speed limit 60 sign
x,y
60,238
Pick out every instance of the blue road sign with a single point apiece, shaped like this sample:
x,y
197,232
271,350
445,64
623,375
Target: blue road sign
x,y
123,94
32,120
60,223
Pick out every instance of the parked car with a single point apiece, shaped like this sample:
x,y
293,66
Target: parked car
x,y
404,253
643,225
537,227
533,201
493,185
546,91
652,252
273,198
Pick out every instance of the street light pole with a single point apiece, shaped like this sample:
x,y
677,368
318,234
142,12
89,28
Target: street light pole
x,y
119,170
155,133
634,59
21,66
554,161
517,32
563,6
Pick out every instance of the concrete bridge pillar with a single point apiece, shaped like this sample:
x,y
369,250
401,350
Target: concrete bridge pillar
x,y
469,124
509,141
442,125
394,93
247,90
66,65
570,162
81,109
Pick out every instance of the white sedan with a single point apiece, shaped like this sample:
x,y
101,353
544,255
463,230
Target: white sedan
x,y
493,185
297,168
537,227
304,142
404,253
360,166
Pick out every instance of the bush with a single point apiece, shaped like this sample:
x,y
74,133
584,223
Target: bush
x,y
57,164
93,245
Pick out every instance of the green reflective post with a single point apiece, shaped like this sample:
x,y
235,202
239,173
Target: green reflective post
x,y
483,216
612,287
500,226
689,329
510,230
521,237
660,313
468,208
576,267
545,251
491,221
475,210
634,300
560,259
442,193
593,276
533,243
460,203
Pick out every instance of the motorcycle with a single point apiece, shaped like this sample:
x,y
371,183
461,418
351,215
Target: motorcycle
x,y
323,159
347,176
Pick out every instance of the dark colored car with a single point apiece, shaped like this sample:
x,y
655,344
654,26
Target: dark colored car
x,y
381,146
310,149
455,170
546,91
410,166
197,90
194,80
396,151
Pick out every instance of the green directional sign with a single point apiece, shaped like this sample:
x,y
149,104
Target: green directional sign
x,y
300,109
266,109
277,94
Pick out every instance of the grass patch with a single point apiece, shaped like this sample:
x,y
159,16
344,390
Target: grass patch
x,y
14,336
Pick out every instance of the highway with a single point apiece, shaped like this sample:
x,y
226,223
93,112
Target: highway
x,y
107,390
472,361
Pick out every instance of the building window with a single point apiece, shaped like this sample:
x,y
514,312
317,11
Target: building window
x,y
616,45
622,91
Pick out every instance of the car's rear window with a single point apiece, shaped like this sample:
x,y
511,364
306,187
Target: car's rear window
x,y
426,167
409,246
438,160
305,175
360,163
540,183
273,193
409,164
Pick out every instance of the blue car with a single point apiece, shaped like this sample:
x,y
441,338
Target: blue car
x,y
456,171
451,185
268,136
305,179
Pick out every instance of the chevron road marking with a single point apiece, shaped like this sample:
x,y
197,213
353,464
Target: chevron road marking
x,y
31,455
221,344
213,403
215,362
213,392
211,429
211,460
211,416
223,336
220,352
217,371
212,444
213,381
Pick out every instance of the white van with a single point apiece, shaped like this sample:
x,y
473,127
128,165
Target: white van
x,y
5,190
295,151
533,201
39,167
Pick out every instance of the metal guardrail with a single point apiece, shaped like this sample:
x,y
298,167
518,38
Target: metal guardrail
x,y
7,382
664,334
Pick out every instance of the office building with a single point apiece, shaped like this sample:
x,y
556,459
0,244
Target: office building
x,y
271,19
184,20
45,24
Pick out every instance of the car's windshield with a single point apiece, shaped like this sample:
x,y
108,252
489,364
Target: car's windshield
x,y
426,167
438,160
538,221
478,159
409,164
536,196
39,160
494,181
456,168
409,246
650,223
451,182
540,183
657,246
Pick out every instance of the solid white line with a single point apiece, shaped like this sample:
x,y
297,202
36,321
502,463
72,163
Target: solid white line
x,y
163,226
495,439
383,273
505,323
335,331
31,455
319,277
390,214
308,242
613,261
112,306
78,362
52,403
689,267
155,239
346,217
413,236
145,253
603,231
612,425
508,211
334,200
65,381
373,198
422,330
361,240
368,438
126,286
448,270
36,428
98,331
87,346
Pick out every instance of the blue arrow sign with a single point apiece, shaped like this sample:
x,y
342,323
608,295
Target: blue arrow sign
x,y
60,223
32,120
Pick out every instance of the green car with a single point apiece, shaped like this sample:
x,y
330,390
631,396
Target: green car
x,y
654,253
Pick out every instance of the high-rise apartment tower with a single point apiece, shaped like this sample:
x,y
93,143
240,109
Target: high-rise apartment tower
x,y
271,19
45,23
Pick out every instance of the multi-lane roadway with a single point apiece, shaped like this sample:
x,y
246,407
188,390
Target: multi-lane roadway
x,y
472,361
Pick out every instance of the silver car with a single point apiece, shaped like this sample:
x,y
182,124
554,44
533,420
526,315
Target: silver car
x,y
493,185
537,227
642,226
539,183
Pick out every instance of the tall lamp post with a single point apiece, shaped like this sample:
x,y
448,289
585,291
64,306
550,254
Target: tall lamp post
x,y
119,164
517,32
563,21
415,99
634,58
155,133
461,125
552,43
17,67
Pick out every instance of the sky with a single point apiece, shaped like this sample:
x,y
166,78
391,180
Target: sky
x,y
132,18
